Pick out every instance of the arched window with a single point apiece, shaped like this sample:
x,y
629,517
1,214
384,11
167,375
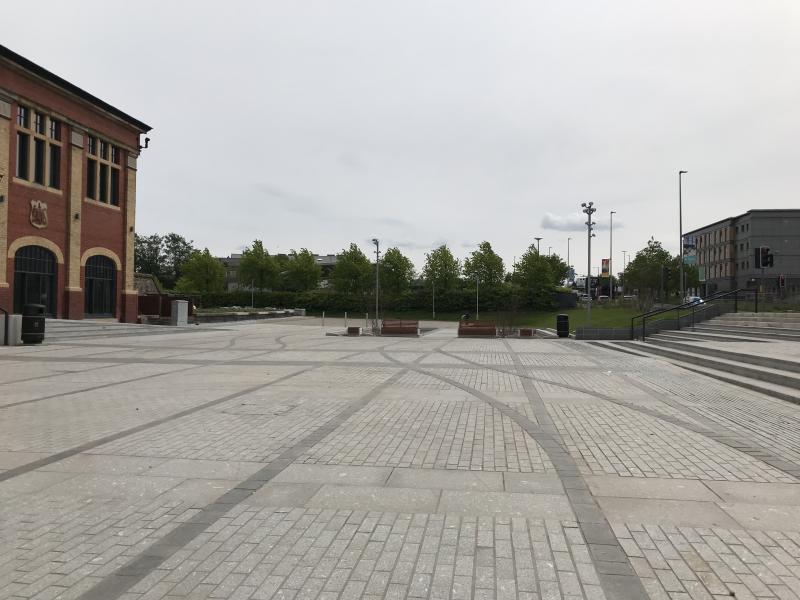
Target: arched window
x,y
100,287
35,278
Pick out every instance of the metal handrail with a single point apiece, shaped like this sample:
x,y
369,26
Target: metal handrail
x,y
687,305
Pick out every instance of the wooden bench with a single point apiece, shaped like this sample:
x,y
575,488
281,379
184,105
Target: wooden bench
x,y
526,332
399,327
354,331
477,329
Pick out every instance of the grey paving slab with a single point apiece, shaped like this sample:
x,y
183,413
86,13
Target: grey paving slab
x,y
757,493
284,494
652,488
10,460
665,512
765,516
535,506
206,469
335,474
533,483
32,482
375,498
444,479
107,464
91,485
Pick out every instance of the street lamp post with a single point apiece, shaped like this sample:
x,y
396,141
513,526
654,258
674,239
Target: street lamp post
x,y
433,287
569,266
624,266
589,210
537,243
377,281
680,233
611,256
549,250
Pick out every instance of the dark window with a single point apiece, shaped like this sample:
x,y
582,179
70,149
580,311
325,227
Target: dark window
x,y
115,187
104,150
55,166
115,155
91,179
35,278
103,183
100,286
38,122
55,129
92,145
23,152
23,117
38,160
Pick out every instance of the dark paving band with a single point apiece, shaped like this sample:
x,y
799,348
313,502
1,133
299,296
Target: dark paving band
x,y
32,466
615,572
116,584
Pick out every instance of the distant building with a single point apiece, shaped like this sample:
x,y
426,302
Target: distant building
x,y
232,262
724,251
68,164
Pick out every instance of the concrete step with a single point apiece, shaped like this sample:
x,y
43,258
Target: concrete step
x,y
758,323
761,373
750,358
764,316
764,333
692,335
767,388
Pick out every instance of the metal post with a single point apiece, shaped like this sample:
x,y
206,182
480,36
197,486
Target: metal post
x,y
433,286
611,257
568,264
756,298
589,210
323,319
377,283
252,287
680,232
736,301
537,243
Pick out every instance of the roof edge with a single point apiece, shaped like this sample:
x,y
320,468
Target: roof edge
x,y
51,77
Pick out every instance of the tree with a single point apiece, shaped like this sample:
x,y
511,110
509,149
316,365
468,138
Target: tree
x,y
441,269
177,250
257,267
202,273
559,269
149,255
353,272
534,271
302,273
162,256
396,271
644,272
486,265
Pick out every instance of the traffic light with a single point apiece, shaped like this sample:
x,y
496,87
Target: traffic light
x,y
764,258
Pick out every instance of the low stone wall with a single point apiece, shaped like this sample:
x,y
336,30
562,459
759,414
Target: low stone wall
x,y
603,333
221,317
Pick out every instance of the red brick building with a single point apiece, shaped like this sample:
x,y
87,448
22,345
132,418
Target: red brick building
x,y
67,196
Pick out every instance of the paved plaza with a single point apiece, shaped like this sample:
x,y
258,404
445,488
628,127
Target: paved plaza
x,y
268,460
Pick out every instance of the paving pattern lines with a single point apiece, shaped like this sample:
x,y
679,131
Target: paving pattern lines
x,y
134,571
57,547
774,423
109,428
718,433
342,554
695,562
613,439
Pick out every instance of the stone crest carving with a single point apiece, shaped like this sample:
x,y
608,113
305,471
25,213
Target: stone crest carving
x,y
38,214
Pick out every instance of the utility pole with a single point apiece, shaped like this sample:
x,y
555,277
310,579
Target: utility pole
x,y
568,241
537,243
624,266
377,282
611,257
433,287
680,233
589,210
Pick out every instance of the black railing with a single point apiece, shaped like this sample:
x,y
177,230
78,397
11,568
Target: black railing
x,y
711,306
5,328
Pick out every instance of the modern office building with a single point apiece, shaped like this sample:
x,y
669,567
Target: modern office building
x,y
725,251
67,196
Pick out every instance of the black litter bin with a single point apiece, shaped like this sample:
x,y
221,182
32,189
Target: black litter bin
x,y
33,324
562,325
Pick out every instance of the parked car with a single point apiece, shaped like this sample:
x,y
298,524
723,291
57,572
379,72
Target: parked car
x,y
693,300
602,298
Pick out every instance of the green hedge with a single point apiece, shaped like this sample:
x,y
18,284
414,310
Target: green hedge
x,y
502,298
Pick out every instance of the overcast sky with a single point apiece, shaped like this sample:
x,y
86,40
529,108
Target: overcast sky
x,y
317,123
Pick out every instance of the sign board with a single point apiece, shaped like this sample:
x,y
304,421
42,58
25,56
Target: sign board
x,y
604,270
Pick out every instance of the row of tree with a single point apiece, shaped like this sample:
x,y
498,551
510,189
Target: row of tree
x,y
179,265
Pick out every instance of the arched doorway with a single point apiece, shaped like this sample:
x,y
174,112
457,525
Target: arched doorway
x,y
35,271
100,287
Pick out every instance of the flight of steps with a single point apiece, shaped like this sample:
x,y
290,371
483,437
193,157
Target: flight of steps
x,y
776,377
776,326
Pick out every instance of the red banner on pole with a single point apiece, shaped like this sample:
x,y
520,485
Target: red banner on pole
x,y
604,270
